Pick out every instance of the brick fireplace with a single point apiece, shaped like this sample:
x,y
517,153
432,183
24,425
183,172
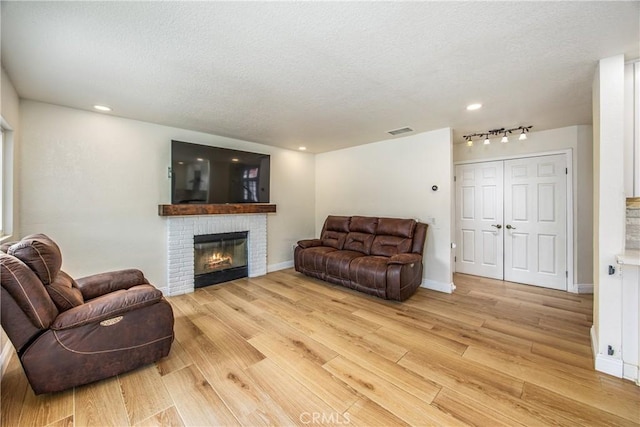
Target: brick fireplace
x,y
183,227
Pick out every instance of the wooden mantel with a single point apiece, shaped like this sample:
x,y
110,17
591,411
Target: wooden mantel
x,y
220,209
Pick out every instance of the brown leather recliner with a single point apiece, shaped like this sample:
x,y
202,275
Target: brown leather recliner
x,y
378,256
69,332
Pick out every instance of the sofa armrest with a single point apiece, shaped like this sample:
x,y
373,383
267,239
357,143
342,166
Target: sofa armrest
x,y
104,283
107,307
404,259
309,243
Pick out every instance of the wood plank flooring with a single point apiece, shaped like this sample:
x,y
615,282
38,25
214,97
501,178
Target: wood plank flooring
x,y
284,349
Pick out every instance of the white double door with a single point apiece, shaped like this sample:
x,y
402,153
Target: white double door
x,y
511,220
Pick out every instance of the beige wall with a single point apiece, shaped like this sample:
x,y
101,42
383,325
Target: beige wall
x,y
579,140
393,178
93,182
10,113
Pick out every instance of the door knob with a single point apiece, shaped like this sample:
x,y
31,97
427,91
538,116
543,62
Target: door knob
x,y
509,227
498,226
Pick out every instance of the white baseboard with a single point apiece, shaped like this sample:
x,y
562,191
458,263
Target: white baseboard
x,y
630,372
609,365
447,288
604,363
584,288
279,266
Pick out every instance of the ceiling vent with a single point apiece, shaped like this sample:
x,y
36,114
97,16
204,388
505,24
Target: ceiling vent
x,y
399,131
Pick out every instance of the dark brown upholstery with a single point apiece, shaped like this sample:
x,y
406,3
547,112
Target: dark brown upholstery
x,y
379,256
68,332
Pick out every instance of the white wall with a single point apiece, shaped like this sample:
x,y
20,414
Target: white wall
x,y
93,182
579,140
609,210
632,129
629,101
393,178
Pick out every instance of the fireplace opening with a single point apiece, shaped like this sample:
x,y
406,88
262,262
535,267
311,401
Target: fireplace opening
x,y
219,258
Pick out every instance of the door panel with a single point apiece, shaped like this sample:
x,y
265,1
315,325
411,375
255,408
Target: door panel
x,y
547,247
479,194
535,221
520,251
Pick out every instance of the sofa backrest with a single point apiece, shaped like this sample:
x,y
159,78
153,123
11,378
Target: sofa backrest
x,y
334,231
361,234
34,289
26,308
393,236
374,236
42,255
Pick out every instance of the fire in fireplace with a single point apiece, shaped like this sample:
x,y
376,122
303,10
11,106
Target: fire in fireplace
x,y
219,258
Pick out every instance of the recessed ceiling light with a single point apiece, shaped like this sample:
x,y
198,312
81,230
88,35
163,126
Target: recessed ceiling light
x,y
102,107
200,159
235,160
302,148
472,107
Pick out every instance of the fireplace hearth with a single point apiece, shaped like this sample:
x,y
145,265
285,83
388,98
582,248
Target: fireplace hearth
x,y
219,258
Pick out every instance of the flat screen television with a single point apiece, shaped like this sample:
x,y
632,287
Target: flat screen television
x,y
205,174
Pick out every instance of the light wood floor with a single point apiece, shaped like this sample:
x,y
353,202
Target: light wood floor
x,y
284,349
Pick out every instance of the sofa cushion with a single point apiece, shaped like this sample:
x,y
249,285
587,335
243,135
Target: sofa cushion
x,y
390,245
41,254
315,258
396,227
369,272
363,224
337,263
360,242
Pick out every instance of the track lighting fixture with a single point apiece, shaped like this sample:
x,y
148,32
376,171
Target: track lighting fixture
x,y
496,132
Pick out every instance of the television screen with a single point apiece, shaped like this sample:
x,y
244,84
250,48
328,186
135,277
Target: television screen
x,y
205,174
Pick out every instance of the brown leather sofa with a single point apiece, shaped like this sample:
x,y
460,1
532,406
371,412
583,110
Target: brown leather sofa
x,y
69,332
378,256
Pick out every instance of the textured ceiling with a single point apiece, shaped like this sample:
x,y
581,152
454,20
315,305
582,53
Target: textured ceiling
x,y
326,75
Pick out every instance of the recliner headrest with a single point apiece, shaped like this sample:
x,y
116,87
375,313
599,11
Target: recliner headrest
x,y
41,254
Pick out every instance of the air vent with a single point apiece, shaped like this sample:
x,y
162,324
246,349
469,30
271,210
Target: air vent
x,y
399,131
